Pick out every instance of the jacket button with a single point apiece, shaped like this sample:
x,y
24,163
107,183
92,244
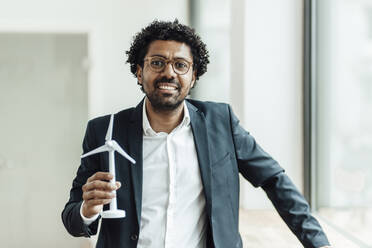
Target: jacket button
x,y
134,237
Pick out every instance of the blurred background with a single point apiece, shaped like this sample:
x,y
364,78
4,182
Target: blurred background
x,y
298,74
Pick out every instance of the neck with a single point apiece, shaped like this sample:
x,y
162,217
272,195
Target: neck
x,y
164,121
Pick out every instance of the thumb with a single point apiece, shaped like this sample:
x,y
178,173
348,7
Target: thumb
x,y
118,184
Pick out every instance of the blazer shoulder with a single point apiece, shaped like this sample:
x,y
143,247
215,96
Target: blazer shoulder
x,y
210,108
102,121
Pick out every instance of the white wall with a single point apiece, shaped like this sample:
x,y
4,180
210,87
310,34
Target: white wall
x,y
266,83
110,25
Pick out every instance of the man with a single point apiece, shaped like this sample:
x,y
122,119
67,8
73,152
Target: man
x,y
184,189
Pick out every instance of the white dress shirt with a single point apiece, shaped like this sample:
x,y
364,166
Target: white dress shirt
x,y
173,202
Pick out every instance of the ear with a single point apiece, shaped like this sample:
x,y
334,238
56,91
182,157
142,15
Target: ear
x,y
139,74
193,79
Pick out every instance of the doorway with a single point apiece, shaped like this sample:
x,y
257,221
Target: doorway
x,y
43,113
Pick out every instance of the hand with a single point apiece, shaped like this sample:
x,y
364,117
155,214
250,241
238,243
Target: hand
x,y
98,191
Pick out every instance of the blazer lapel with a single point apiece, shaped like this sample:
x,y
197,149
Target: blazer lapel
x,y
199,129
135,140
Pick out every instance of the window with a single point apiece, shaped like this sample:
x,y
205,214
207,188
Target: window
x,y
343,117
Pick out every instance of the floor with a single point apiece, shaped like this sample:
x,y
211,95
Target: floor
x,y
354,223
265,229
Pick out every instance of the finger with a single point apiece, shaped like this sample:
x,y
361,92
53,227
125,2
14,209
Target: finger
x,y
97,202
99,185
101,176
97,194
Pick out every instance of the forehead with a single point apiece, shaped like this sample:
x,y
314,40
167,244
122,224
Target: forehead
x,y
169,49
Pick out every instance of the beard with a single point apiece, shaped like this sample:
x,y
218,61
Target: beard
x,y
161,101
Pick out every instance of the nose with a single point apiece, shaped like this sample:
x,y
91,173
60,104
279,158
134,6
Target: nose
x,y
168,71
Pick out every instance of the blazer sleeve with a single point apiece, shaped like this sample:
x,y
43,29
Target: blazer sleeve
x,y
261,170
295,211
71,213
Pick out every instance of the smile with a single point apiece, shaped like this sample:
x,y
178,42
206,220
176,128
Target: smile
x,y
167,87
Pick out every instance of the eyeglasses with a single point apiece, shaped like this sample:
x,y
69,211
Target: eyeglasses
x,y
158,64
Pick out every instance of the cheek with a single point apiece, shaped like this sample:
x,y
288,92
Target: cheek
x,y
187,84
148,80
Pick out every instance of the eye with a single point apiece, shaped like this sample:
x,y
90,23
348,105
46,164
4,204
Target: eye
x,y
180,64
157,63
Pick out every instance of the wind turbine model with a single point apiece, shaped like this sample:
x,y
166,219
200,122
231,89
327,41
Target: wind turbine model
x,y
111,146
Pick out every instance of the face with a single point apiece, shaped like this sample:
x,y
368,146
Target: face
x,y
166,89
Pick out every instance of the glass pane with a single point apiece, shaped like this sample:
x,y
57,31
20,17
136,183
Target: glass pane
x,y
344,117
212,21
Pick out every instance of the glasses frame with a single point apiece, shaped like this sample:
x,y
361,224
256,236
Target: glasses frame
x,y
167,61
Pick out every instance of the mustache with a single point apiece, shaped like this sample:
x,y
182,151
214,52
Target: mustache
x,y
167,80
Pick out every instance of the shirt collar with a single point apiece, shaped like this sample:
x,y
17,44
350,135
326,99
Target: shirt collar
x,y
147,129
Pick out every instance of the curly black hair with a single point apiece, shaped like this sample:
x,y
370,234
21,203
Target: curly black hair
x,y
163,30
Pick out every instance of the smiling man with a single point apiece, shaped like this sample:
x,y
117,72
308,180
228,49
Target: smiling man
x,y
184,189
166,87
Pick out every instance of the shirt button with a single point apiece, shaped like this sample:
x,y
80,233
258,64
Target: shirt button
x,y
134,237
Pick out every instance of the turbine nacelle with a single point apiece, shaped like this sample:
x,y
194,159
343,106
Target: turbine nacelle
x,y
110,144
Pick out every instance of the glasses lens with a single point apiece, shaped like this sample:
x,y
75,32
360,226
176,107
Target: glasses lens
x,y
157,64
181,66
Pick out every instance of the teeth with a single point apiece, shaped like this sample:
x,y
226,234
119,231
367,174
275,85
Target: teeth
x,y
167,87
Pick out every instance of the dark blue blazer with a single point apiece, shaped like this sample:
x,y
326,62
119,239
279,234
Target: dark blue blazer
x,y
224,149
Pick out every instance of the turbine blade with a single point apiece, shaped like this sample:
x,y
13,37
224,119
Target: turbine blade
x,y
103,148
109,130
122,152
